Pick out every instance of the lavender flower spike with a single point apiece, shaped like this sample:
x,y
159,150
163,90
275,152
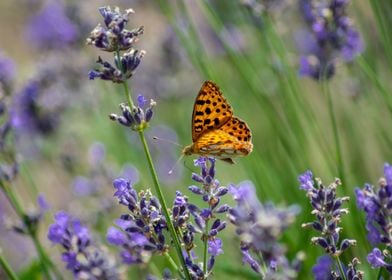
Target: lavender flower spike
x,y
114,37
328,212
139,232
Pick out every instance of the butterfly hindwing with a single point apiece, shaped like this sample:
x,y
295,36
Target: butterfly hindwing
x,y
210,111
237,128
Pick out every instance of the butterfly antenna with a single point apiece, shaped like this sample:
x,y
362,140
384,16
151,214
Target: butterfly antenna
x,y
166,140
178,160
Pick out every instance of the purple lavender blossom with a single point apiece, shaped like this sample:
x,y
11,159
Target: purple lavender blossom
x,y
81,257
115,38
51,28
334,37
215,247
327,208
259,227
140,232
328,212
124,69
306,181
136,118
376,258
376,202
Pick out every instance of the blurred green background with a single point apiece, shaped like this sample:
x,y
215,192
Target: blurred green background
x,y
256,65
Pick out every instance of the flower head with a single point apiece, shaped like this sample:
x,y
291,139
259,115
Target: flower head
x,y
114,36
328,212
140,232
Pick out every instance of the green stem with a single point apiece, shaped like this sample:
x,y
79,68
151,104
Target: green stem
x,y
161,198
205,248
172,262
7,268
44,260
340,266
379,273
332,116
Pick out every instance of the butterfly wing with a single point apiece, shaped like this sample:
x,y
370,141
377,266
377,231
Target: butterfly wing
x,y
210,111
231,139
239,129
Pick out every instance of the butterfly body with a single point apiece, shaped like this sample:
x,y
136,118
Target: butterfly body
x,y
215,131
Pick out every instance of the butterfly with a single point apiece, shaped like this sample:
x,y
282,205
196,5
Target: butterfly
x,y
215,131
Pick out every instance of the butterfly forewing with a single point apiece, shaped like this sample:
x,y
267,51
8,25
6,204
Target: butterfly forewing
x,y
211,110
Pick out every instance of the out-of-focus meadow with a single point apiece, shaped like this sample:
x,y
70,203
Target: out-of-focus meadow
x,y
69,151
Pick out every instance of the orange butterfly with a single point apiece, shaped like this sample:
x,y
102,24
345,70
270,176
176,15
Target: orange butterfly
x,y
215,131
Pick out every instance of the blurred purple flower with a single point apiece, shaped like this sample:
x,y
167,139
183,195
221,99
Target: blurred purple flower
x,y
215,247
7,71
81,257
259,227
306,181
247,258
96,153
83,186
51,28
115,236
129,171
322,269
43,204
334,36
377,204
376,258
